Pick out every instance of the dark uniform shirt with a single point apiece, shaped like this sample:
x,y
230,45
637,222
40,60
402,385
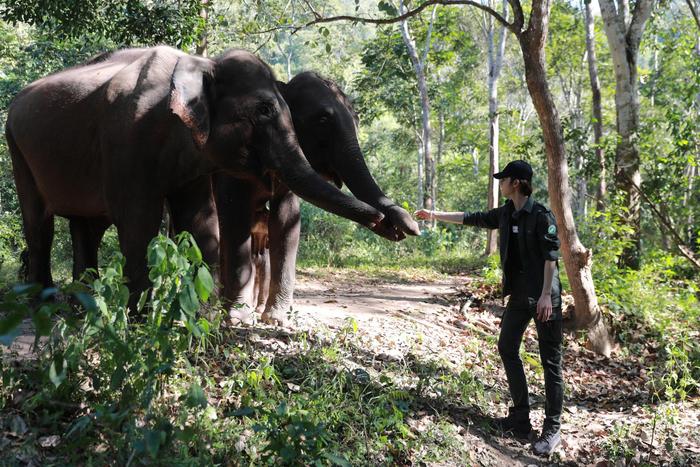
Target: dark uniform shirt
x,y
528,238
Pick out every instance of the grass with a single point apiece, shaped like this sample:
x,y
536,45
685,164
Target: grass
x,y
318,399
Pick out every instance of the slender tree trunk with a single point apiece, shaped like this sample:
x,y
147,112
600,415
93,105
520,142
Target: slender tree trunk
x,y
203,42
475,160
577,259
581,182
419,65
597,107
438,157
624,35
496,51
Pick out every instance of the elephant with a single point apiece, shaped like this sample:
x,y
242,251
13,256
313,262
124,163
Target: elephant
x,y
113,139
326,125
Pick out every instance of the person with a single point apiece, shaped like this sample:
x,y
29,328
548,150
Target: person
x,y
529,251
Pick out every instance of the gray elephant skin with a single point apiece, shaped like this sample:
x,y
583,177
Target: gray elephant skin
x,y
112,140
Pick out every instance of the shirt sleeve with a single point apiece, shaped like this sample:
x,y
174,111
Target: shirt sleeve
x,y
486,219
547,236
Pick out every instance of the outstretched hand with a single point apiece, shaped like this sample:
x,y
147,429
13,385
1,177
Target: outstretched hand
x,y
423,214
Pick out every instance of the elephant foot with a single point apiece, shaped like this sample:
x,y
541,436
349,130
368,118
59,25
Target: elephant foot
x,y
275,316
242,314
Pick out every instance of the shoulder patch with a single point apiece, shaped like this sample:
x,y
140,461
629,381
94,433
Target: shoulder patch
x,y
552,229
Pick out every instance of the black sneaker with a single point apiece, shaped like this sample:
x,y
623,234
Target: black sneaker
x,y
517,426
547,442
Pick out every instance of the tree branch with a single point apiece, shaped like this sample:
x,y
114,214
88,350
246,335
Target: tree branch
x,y
538,23
665,222
694,12
424,57
519,20
642,12
409,14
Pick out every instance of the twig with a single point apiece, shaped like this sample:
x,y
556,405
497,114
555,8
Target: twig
x,y
684,249
408,14
694,12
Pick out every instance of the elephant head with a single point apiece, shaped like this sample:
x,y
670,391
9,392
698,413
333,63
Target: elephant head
x,y
239,120
326,126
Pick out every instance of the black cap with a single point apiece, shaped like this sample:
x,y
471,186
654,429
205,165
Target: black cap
x,y
519,170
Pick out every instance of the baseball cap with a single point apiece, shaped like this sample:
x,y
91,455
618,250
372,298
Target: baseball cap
x,y
518,169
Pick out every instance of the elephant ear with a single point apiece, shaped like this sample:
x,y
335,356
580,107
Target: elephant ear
x,y
190,95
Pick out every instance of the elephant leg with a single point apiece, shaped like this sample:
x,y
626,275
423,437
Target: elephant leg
x,y
36,218
135,231
234,203
192,209
86,235
284,227
262,280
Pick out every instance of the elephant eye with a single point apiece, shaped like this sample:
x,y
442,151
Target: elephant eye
x,y
266,110
325,117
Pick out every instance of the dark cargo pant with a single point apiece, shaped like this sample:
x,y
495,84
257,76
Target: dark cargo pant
x,y
520,310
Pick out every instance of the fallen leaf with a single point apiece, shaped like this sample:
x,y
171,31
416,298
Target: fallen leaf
x,y
49,441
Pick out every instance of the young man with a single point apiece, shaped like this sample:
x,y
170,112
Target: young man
x,y
529,251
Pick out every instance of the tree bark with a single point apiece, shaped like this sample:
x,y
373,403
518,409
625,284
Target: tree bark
x,y
496,51
577,259
624,35
419,65
597,108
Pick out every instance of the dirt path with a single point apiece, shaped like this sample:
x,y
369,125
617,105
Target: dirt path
x,y
607,402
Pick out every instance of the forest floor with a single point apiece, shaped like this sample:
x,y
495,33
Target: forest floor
x,y
446,327
454,319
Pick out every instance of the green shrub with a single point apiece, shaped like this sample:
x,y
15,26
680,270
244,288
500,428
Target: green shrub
x,y
106,358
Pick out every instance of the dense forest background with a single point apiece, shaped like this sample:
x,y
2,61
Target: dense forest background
x,y
443,100
373,65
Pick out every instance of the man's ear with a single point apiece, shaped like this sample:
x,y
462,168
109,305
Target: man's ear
x,y
191,90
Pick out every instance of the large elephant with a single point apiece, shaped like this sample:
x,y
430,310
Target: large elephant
x,y
111,140
326,126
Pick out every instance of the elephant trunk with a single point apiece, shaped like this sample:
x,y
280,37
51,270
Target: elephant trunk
x,y
351,165
284,157
298,175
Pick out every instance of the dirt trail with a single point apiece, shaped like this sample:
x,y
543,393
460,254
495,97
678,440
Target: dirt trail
x,y
452,319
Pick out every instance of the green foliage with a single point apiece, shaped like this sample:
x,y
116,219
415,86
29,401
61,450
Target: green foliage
x,y
121,368
125,22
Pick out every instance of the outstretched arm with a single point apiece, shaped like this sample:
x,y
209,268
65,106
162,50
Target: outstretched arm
x,y
443,216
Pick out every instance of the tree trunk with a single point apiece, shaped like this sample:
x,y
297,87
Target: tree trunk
x,y
203,41
496,51
577,259
419,65
624,36
597,107
438,156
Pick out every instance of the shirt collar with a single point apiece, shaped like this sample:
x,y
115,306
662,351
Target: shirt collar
x,y
527,207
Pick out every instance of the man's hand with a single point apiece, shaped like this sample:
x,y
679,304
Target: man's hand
x,y
423,214
544,308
